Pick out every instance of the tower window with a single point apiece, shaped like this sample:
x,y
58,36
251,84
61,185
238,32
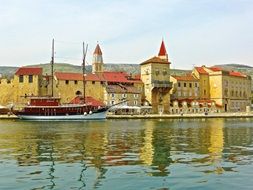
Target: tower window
x,y
93,82
76,82
190,85
185,84
66,81
179,84
156,72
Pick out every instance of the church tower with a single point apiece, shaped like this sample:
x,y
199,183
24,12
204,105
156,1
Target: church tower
x,y
97,63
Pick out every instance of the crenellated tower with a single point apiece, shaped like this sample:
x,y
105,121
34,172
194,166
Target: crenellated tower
x,y
97,63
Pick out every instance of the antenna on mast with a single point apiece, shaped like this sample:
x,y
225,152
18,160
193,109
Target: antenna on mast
x,y
52,68
84,57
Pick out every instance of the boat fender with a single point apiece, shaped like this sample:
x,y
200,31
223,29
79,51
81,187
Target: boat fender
x,y
84,113
90,112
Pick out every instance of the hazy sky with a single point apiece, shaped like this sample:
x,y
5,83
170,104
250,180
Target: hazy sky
x,y
196,32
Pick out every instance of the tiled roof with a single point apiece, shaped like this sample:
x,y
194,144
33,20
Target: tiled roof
x,y
215,69
231,73
155,60
236,74
104,76
201,70
162,51
68,76
88,100
185,78
98,50
115,77
122,89
29,71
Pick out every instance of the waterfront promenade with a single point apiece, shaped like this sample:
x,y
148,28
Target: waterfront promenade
x,y
168,116
179,116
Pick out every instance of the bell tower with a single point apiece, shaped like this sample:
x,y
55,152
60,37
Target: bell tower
x,y
97,62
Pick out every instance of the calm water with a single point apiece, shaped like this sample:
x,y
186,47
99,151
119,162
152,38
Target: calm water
x,y
127,154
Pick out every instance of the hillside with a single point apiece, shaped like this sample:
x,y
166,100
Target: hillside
x,y
64,67
7,72
237,67
129,68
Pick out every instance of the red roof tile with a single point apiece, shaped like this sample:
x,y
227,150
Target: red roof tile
x,y
231,73
236,74
215,69
162,51
68,76
116,77
94,77
105,76
98,50
201,70
29,71
155,60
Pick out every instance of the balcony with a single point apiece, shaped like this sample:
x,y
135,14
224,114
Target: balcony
x,y
161,84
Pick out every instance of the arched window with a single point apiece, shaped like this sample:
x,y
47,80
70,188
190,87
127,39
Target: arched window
x,y
78,93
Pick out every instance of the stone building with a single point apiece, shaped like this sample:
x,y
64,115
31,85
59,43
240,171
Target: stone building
x,y
107,87
155,74
26,82
184,87
229,89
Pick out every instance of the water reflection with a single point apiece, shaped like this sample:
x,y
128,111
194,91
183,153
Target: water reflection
x,y
94,148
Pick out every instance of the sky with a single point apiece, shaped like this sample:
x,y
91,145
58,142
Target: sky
x,y
195,32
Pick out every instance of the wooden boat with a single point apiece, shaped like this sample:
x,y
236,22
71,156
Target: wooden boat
x,y
4,110
50,108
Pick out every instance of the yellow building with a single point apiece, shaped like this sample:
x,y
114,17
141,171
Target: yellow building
x,y
155,74
184,87
229,89
203,77
107,87
26,82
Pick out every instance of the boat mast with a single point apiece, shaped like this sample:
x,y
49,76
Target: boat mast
x,y
84,57
52,69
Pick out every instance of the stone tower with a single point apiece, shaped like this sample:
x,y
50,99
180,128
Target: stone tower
x,y
97,62
155,74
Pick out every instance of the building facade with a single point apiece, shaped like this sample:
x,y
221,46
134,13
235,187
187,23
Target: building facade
x,y
155,74
229,89
184,87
